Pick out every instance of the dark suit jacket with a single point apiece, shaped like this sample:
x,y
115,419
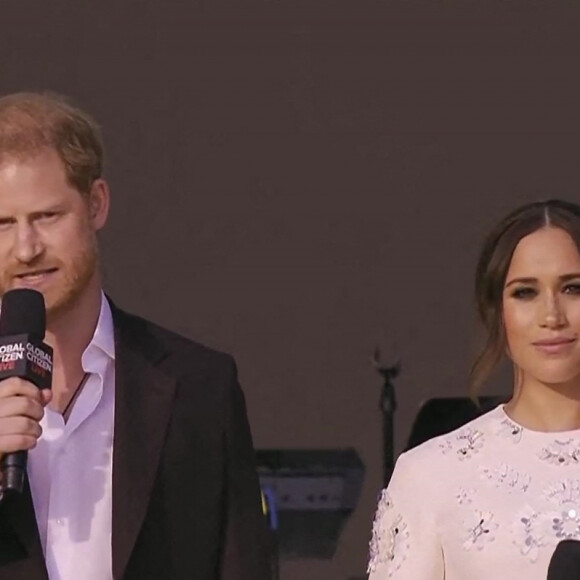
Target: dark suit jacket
x,y
186,502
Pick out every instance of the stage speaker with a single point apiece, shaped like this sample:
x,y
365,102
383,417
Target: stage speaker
x,y
312,493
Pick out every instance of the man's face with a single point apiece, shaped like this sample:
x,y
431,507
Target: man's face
x,y
48,230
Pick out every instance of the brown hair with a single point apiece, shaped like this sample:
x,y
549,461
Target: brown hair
x,y
493,265
30,122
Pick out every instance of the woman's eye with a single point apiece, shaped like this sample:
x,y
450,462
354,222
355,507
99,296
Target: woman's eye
x,y
572,288
524,293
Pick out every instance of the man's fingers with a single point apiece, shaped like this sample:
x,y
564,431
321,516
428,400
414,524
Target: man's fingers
x,y
11,443
20,426
21,409
21,406
17,386
45,396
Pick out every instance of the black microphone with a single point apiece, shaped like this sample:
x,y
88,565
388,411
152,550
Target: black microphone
x,y
565,561
22,354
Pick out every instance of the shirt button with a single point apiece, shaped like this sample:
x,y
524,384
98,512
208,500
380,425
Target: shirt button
x,y
60,522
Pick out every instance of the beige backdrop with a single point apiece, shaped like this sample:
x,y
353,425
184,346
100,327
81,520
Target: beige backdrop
x,y
295,184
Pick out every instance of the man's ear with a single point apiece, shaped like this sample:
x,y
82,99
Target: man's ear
x,y
99,203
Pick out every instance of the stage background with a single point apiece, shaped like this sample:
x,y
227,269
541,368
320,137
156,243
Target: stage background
x,y
297,183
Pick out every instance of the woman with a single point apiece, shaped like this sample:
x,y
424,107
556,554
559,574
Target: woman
x,y
494,498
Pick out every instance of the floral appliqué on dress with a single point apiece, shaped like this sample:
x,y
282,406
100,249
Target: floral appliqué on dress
x,y
466,443
509,430
390,540
465,496
505,477
480,530
566,492
531,532
562,453
535,529
566,524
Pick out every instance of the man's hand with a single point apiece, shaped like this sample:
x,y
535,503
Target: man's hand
x,y
21,408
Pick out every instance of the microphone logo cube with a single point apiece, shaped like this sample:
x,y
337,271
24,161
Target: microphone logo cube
x,y
26,357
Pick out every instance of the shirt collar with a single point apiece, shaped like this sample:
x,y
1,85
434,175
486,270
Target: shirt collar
x,y
104,336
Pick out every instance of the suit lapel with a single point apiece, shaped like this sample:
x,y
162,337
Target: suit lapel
x,y
143,401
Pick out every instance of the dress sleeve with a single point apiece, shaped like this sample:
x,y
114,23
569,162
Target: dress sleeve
x,y
405,543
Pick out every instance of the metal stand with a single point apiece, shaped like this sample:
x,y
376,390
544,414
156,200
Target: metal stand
x,y
388,406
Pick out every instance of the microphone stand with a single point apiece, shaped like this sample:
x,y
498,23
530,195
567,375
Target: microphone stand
x,y
388,406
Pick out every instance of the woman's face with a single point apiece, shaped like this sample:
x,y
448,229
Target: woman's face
x,y
541,308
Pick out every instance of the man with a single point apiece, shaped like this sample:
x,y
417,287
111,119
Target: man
x,y
141,463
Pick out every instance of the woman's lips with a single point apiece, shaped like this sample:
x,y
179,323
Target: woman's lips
x,y
555,345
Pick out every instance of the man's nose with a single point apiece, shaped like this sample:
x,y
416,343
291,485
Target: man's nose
x,y
27,244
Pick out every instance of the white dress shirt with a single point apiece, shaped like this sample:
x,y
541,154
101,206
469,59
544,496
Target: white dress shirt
x,y
70,470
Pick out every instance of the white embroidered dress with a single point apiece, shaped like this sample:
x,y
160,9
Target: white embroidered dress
x,y
489,500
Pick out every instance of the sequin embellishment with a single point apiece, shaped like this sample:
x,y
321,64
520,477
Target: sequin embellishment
x,y
466,444
564,492
531,532
464,496
566,524
509,430
562,453
390,540
480,530
505,477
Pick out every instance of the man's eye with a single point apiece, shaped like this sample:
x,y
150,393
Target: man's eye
x,y
6,223
524,293
47,216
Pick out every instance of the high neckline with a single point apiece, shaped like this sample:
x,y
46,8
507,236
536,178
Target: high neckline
x,y
536,432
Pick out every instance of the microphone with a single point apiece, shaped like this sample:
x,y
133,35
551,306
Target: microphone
x,y
565,561
22,354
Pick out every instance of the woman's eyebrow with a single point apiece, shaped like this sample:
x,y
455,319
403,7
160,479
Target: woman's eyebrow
x,y
529,280
521,281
